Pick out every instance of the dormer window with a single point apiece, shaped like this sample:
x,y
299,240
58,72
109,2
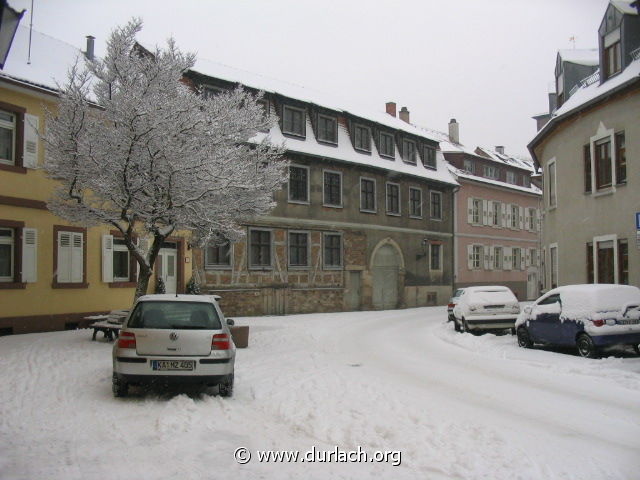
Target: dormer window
x,y
361,138
560,89
612,54
387,147
491,172
512,178
327,129
408,151
468,166
293,121
429,158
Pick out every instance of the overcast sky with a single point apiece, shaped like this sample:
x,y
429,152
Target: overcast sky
x,y
487,63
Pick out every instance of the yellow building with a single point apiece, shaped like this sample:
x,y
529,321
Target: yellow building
x,y
52,273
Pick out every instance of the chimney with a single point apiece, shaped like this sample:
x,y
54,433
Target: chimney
x,y
500,149
454,131
404,115
90,53
391,108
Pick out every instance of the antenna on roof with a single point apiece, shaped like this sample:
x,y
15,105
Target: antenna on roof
x,y
30,30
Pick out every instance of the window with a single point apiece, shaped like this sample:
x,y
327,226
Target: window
x,y
429,157
436,256
587,167
387,147
121,262
590,277
218,256
298,184
293,121
332,250
70,259
393,199
515,216
298,249
469,166
476,260
476,215
560,89
512,178
408,151
533,217
327,129
551,187
8,141
612,59
517,259
496,208
550,300
603,163
7,254
362,138
436,205
415,202
367,195
605,257
621,159
623,262
497,258
332,188
260,248
491,172
553,259
533,257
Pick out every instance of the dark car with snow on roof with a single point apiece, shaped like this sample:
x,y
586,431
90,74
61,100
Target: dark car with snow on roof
x,y
589,317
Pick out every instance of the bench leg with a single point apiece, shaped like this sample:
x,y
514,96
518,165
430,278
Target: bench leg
x,y
95,332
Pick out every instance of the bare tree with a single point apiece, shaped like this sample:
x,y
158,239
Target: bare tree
x,y
134,146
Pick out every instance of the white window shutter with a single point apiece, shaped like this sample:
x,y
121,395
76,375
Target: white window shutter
x,y
492,253
521,219
527,257
77,258
507,260
485,219
489,204
470,210
522,254
487,257
504,215
470,257
526,219
29,255
107,258
63,274
30,147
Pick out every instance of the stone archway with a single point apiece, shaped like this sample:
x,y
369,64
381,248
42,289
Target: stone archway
x,y
386,265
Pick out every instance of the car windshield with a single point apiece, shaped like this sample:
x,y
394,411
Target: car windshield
x,y
175,315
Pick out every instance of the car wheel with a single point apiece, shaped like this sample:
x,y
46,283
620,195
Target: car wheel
x,y
524,340
225,389
464,328
586,347
456,325
120,387
636,347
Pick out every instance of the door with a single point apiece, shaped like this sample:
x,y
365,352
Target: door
x,y
386,269
353,293
532,285
168,268
545,324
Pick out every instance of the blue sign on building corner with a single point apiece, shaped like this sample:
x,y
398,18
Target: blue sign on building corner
x,y
637,220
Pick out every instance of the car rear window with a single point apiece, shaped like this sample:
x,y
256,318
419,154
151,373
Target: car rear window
x,y
492,297
175,315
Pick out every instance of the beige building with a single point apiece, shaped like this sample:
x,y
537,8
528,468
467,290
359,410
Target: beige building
x,y
588,153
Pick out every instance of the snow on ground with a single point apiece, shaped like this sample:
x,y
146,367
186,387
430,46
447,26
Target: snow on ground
x,y
457,406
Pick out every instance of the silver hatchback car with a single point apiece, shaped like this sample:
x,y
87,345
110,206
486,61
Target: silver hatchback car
x,y
170,339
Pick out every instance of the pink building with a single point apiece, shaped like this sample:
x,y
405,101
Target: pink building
x,y
497,218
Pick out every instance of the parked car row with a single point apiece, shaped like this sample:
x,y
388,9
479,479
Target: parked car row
x,y
588,317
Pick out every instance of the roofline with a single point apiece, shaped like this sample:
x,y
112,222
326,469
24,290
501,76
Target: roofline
x,y
509,187
556,120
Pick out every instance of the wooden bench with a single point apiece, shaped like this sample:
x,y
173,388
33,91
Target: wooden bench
x,y
109,324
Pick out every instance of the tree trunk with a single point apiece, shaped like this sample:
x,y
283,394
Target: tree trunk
x,y
143,283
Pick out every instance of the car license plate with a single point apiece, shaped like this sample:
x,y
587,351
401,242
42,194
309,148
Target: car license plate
x,y
167,365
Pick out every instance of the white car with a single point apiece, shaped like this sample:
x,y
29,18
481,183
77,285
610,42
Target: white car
x,y
174,339
489,308
452,303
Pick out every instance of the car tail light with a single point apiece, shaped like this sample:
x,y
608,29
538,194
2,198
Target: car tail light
x,y
598,323
127,340
451,305
220,341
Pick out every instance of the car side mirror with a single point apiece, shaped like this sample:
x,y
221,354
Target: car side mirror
x,y
528,309
230,322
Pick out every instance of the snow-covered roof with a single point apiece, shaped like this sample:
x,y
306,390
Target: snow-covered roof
x,y
518,162
461,174
50,60
344,150
624,6
580,56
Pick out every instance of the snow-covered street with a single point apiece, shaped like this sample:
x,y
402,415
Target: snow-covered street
x,y
456,406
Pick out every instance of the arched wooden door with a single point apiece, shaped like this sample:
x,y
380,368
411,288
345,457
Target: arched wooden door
x,y
386,270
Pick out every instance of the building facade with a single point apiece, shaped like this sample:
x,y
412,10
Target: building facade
x,y
365,221
53,273
588,152
497,224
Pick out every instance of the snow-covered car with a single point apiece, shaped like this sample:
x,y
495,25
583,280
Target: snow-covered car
x,y
488,308
170,339
452,303
587,316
